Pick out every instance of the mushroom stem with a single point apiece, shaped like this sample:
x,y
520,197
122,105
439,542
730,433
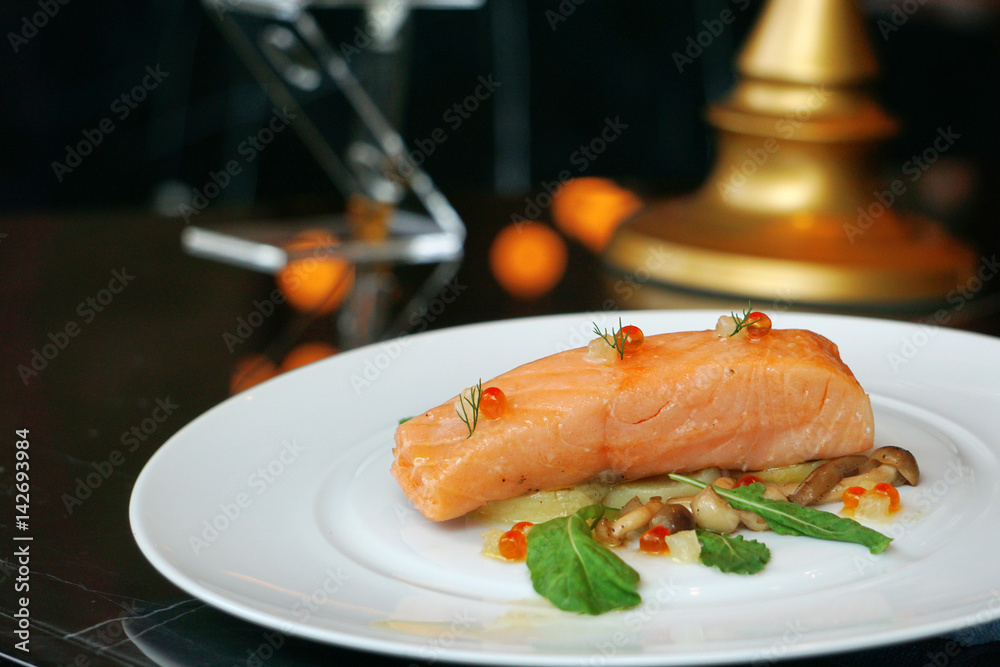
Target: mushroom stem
x,y
636,518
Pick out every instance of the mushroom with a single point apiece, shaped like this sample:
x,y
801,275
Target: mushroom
x,y
683,501
674,517
603,534
824,478
712,512
636,518
883,473
900,459
632,504
891,465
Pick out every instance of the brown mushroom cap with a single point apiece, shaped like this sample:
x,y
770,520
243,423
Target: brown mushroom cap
x,y
900,459
675,518
824,478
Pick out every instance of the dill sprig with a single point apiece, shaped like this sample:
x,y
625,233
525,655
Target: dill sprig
x,y
742,322
616,339
468,402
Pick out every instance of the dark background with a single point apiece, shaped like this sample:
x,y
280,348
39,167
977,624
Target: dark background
x,y
604,60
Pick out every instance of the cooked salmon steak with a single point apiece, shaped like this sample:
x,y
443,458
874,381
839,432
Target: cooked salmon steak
x,y
679,403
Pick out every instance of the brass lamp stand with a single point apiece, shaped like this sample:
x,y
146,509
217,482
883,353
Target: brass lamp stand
x,y
794,210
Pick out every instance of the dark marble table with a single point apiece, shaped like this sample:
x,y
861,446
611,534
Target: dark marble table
x,y
134,329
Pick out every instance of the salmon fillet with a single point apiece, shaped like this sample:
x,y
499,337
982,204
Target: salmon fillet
x,y
681,402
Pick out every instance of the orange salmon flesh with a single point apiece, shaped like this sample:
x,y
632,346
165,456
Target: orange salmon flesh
x,y
680,403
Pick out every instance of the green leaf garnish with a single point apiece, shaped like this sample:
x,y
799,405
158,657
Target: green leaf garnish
x,y
732,554
742,321
576,573
787,518
615,339
405,419
468,406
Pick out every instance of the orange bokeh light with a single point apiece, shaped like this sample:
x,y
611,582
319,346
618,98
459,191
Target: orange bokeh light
x,y
589,209
249,371
306,353
318,284
528,259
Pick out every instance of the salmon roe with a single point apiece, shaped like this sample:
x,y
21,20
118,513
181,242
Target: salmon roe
x,y
513,544
747,480
888,490
851,497
631,337
758,325
492,403
654,540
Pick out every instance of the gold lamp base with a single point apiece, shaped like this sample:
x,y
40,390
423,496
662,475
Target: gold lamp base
x,y
802,259
794,211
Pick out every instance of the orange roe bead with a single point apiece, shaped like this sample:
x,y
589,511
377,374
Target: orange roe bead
x,y
492,403
889,491
513,545
759,325
747,480
654,541
851,496
523,526
631,337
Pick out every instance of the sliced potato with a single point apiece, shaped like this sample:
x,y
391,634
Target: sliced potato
x,y
792,474
684,546
545,505
540,506
873,507
491,542
660,485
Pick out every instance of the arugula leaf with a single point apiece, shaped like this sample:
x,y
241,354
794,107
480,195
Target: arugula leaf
x,y
732,554
787,518
576,573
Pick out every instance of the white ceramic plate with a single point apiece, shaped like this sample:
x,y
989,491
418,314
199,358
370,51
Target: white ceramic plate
x,y
277,506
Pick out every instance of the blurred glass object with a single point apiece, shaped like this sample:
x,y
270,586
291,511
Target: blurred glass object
x,y
396,215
